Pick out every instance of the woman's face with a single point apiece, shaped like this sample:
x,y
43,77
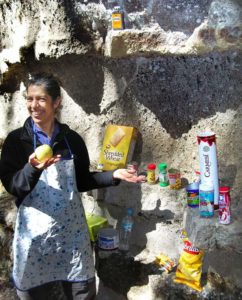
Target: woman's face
x,y
40,105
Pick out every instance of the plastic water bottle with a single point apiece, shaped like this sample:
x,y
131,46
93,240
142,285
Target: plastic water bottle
x,y
125,230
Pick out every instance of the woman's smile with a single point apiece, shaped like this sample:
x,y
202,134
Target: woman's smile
x,y
40,105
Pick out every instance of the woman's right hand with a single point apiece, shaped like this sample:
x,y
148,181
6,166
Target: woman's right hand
x,y
43,165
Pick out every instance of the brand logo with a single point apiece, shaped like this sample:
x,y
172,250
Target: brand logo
x,y
207,172
191,249
113,155
206,149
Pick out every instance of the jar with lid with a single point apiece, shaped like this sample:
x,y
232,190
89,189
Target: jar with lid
x,y
224,205
151,173
163,178
117,18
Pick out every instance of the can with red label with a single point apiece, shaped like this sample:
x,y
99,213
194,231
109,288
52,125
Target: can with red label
x,y
224,205
174,177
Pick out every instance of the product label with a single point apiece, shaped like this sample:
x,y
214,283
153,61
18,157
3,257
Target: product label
x,y
193,198
113,155
127,226
107,243
207,165
163,177
206,203
224,209
150,176
174,180
117,21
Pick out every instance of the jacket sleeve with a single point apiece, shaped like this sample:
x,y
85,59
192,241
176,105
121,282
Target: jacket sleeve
x,y
87,180
17,175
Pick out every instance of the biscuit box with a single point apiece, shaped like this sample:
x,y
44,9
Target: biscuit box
x,y
118,147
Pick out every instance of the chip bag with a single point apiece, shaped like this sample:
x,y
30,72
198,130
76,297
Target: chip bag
x,y
189,269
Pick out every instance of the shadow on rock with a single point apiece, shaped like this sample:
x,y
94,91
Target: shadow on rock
x,y
120,272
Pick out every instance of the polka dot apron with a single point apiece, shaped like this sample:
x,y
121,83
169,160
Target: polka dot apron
x,y
51,240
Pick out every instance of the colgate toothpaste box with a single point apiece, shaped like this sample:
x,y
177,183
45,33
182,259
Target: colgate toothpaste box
x,y
208,161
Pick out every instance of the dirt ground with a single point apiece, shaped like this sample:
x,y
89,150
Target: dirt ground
x,y
7,291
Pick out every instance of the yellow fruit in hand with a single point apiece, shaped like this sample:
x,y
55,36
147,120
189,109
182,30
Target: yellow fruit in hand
x,y
43,152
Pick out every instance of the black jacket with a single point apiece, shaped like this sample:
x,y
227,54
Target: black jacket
x,y
19,177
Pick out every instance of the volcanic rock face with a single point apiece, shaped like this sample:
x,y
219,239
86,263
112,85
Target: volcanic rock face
x,y
175,70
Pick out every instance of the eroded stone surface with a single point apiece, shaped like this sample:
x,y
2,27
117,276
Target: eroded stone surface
x,y
175,71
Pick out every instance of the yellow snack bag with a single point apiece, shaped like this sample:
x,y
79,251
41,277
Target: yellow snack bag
x,y
118,147
189,269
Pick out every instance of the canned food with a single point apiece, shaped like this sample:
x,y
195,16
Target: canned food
x,y
193,194
174,177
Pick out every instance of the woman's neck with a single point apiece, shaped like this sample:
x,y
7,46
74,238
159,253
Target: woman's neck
x,y
47,128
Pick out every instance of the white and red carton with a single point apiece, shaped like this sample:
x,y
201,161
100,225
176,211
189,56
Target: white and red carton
x,y
208,162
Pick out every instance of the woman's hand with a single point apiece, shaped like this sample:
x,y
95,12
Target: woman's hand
x,y
128,175
43,165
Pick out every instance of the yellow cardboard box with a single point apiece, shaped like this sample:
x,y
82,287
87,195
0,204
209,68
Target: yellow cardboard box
x,y
118,147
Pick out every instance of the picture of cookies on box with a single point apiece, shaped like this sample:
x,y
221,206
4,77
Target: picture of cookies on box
x,y
118,147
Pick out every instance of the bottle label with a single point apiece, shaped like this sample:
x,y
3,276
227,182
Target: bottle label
x,y
151,176
174,177
193,198
224,208
163,178
206,203
107,243
127,226
117,21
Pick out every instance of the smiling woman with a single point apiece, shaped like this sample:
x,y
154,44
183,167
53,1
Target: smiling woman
x,y
43,98
51,241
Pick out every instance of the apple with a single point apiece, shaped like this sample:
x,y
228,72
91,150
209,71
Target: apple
x,y
43,152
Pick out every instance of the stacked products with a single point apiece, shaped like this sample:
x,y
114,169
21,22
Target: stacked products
x,y
211,196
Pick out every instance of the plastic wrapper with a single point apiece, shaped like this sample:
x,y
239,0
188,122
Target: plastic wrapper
x,y
166,264
189,269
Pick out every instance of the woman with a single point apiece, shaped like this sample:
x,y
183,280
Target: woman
x,y
51,241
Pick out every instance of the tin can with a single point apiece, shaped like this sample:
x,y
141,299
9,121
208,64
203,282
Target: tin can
x,y
174,177
193,194
108,239
224,205
117,18
206,200
151,173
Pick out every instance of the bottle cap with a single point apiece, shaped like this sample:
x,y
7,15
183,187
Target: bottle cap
x,y
151,166
162,166
224,189
130,211
116,8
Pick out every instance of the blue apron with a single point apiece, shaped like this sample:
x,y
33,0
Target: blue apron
x,y
51,240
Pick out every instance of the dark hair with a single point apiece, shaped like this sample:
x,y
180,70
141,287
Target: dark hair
x,y
48,81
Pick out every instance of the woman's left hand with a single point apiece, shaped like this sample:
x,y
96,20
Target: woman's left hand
x,y
128,175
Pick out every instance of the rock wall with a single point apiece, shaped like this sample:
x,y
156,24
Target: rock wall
x,y
174,71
